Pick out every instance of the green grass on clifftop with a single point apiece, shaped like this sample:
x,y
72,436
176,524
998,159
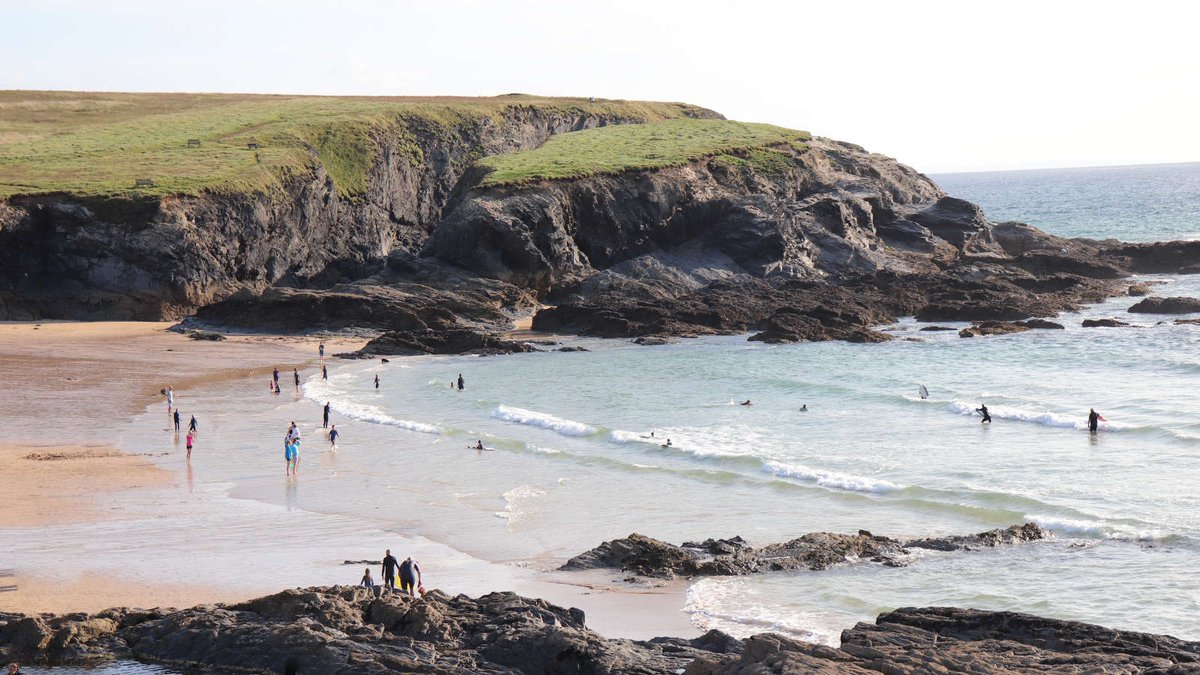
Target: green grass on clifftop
x,y
99,144
614,149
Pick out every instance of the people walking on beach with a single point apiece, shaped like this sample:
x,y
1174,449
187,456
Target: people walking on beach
x,y
410,576
376,381
325,422
460,382
177,419
190,437
170,398
982,410
333,435
367,581
389,570
321,349
324,373
1094,420
193,425
296,377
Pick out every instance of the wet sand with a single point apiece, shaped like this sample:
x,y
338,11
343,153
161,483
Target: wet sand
x,y
77,510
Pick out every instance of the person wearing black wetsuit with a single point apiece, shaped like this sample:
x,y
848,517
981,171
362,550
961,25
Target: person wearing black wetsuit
x,y
982,410
176,419
296,377
410,577
1094,420
193,424
324,373
325,425
389,570
376,381
333,434
460,382
275,375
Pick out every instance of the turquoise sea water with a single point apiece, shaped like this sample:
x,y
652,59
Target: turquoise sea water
x,y
572,462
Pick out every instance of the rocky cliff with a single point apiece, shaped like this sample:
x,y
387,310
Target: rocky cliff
x,y
800,239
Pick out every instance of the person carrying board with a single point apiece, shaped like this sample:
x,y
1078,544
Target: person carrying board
x,y
1094,420
982,410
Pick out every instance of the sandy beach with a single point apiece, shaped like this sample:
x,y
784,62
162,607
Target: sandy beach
x,y
81,507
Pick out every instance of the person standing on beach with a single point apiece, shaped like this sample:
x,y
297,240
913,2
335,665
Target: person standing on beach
x,y
460,382
389,570
376,381
324,373
296,377
982,410
170,399
289,454
325,423
321,349
275,376
192,426
176,419
190,437
1094,420
333,435
410,577
293,433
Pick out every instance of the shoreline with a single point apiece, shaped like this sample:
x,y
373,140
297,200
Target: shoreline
x,y
98,479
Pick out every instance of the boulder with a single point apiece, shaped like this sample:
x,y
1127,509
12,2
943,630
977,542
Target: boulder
x,y
1103,323
1176,305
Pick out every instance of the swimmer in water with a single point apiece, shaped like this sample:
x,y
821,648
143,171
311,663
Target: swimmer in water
x,y
804,407
478,446
746,402
667,444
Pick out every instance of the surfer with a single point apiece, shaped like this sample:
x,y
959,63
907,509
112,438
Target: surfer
x,y
803,407
982,410
193,425
376,381
667,444
325,423
479,446
333,434
460,382
296,377
746,402
410,576
324,373
389,570
923,392
176,419
1094,420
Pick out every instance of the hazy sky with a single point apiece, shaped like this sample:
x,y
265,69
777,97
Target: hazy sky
x,y
939,85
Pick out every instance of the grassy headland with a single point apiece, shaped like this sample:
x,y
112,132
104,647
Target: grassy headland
x,y
613,149
98,144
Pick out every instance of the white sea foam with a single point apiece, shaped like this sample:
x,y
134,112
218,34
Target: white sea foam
x,y
517,503
536,419
1044,418
369,413
735,607
831,479
1093,528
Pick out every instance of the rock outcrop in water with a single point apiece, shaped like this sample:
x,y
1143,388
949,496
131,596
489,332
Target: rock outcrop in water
x,y
815,551
344,630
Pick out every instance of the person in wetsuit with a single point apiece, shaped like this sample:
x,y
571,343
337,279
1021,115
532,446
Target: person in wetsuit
x,y
982,410
325,424
389,570
460,382
376,381
1094,420
296,377
324,373
177,419
333,435
192,425
410,577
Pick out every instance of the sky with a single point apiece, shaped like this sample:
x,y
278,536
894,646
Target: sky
x,y
941,86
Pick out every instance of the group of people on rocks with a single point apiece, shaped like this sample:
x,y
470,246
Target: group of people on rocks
x,y
407,573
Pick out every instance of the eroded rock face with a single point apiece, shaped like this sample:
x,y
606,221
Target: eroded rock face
x,y
815,551
1103,323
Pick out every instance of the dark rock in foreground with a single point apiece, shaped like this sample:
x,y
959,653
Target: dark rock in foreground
x,y
954,640
341,630
1156,305
815,551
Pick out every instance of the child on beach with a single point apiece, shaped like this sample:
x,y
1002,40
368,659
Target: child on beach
x,y
189,445
333,435
367,581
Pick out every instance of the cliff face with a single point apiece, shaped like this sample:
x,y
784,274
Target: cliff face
x,y
61,257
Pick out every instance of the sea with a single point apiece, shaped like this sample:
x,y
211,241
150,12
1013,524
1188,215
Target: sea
x,y
836,438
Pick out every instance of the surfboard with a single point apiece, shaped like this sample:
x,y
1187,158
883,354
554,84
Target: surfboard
x,y
924,392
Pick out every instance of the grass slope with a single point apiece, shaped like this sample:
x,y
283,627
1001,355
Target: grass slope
x,y
98,144
614,149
